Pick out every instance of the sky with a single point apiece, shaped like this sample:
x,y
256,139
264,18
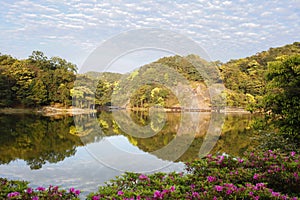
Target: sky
x,y
73,29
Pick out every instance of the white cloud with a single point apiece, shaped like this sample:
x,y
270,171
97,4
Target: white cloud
x,y
250,25
266,13
229,23
227,3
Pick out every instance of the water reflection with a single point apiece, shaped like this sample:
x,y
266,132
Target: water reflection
x,y
36,139
235,138
62,149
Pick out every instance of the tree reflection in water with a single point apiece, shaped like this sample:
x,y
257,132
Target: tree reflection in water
x,y
37,139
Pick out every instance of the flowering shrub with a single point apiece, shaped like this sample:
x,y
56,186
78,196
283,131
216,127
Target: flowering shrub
x,y
20,190
267,175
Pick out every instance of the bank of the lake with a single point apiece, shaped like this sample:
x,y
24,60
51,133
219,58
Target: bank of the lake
x,y
48,111
53,110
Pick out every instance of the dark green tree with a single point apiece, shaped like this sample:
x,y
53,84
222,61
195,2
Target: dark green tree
x,y
282,101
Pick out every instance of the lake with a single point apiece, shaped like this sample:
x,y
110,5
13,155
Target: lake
x,y
84,151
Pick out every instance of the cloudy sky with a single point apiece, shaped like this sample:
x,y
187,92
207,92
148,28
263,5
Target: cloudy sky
x,y
73,29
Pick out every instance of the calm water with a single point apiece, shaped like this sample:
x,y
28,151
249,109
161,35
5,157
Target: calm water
x,y
84,151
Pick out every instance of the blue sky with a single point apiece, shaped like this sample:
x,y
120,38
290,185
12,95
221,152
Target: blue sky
x,y
73,29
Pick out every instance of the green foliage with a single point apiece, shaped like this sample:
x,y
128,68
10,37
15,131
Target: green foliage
x,y
12,189
39,80
162,82
150,95
247,76
184,66
282,101
267,175
35,81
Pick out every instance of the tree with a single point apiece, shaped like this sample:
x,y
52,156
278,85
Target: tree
x,y
38,94
282,101
21,72
6,94
83,96
247,75
59,63
38,59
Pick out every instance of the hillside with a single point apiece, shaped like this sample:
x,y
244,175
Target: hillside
x,y
168,82
164,81
245,78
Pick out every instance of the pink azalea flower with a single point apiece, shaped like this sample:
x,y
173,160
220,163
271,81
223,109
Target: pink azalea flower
x,y
260,185
13,194
72,190
256,176
228,192
158,194
29,190
218,188
77,192
293,153
143,177
211,179
40,189
35,198
95,198
120,192
195,194
172,189
275,194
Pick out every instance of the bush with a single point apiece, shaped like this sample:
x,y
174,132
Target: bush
x,y
10,189
268,175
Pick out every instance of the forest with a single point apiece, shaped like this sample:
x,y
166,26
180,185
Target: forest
x,y
40,81
36,81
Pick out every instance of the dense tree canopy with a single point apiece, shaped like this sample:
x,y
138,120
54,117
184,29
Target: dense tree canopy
x,y
35,81
39,81
245,78
152,84
282,101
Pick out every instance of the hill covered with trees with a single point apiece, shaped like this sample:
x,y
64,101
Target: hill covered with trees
x,y
245,78
41,81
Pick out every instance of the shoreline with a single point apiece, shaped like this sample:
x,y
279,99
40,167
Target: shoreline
x,y
51,111
47,111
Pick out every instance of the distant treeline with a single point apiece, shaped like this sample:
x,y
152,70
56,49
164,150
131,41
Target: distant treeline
x,y
39,80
